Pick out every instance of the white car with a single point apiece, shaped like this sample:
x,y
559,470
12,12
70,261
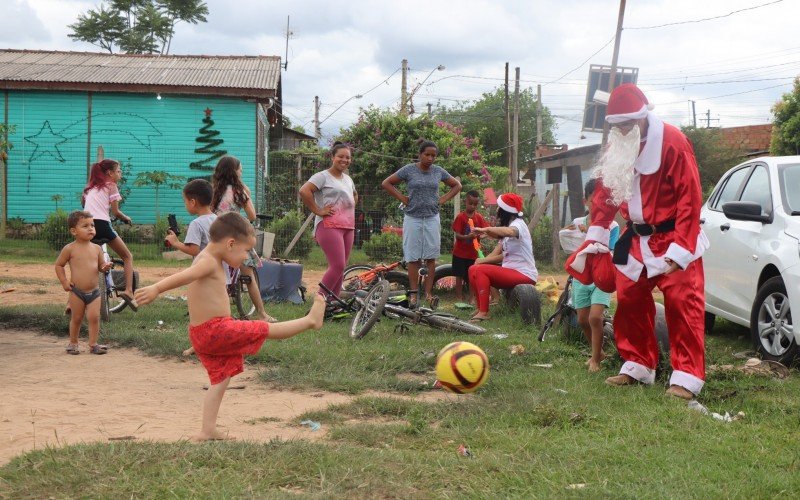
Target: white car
x,y
752,269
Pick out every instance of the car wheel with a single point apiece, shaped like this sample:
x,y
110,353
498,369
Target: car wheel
x,y
710,320
771,326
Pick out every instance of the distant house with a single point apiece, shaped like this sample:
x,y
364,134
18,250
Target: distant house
x,y
571,168
290,139
150,112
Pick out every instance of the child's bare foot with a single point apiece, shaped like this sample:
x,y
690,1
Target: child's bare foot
x,y
317,312
594,366
188,352
216,435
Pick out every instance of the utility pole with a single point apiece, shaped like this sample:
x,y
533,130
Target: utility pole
x,y
539,131
507,110
612,78
317,130
404,89
429,110
694,115
515,162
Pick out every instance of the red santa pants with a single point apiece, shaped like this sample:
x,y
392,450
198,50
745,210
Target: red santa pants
x,y
684,304
484,276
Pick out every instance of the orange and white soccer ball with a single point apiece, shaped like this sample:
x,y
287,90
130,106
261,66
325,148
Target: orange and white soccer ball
x,y
462,367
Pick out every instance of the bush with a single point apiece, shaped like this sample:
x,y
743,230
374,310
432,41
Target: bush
x,y
160,231
15,227
384,247
543,240
55,230
285,228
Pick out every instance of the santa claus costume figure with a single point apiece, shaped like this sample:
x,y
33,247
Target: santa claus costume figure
x,y
648,173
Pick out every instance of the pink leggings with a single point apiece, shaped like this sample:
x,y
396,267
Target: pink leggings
x,y
336,243
484,276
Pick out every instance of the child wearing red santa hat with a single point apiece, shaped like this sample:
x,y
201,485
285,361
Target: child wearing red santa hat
x,y
514,255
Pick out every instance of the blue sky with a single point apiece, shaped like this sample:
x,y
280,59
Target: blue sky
x,y
736,66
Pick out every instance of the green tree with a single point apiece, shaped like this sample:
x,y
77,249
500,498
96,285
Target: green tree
x,y
383,141
485,119
158,179
137,26
714,158
5,144
786,126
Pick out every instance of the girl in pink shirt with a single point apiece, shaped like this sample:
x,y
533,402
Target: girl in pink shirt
x,y
101,198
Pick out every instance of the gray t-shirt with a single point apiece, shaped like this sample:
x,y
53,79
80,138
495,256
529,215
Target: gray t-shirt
x,y
423,189
197,233
339,193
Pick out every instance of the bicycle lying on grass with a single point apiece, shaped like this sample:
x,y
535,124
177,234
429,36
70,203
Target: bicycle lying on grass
x,y
374,304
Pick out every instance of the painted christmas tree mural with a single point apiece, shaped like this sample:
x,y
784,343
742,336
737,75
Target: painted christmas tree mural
x,y
209,140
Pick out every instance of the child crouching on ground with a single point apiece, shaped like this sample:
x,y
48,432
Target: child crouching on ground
x,y
86,262
220,341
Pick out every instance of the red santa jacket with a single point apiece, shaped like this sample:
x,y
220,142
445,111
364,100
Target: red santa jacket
x,y
666,186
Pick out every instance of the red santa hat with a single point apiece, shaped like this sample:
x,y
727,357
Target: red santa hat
x,y
510,202
626,103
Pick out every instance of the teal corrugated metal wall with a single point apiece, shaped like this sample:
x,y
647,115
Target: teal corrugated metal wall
x,y
50,145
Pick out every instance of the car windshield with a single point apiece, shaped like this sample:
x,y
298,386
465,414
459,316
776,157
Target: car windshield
x,y
790,180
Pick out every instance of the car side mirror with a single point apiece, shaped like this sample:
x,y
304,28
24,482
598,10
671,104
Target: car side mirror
x,y
745,210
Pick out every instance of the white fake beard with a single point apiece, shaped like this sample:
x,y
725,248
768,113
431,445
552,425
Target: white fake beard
x,y
615,166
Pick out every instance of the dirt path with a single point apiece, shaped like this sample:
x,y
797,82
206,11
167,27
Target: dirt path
x,y
52,399
29,284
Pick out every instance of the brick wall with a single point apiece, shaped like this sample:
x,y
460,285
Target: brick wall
x,y
749,138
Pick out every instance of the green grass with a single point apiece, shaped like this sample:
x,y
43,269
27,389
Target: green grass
x,y
533,431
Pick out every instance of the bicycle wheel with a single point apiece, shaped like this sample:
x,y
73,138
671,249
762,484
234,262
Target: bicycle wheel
x,y
448,322
350,279
244,304
370,311
116,304
105,313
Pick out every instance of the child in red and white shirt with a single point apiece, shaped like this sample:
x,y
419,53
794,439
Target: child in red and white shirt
x,y
465,250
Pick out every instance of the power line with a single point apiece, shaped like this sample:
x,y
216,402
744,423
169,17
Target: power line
x,y
576,68
704,19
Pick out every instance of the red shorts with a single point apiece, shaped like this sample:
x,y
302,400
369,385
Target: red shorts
x,y
221,343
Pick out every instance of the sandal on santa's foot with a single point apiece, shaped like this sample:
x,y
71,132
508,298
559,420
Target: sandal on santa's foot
x,y
98,349
621,380
478,319
73,349
679,392
129,301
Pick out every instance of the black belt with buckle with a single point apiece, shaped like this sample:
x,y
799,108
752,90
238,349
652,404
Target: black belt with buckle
x,y
623,246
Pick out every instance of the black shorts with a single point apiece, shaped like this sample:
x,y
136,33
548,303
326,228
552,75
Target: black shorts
x,y
104,231
461,267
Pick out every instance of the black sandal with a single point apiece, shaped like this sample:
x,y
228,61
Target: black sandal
x,y
98,349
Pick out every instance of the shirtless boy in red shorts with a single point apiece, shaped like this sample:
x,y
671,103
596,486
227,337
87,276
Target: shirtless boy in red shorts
x,y
220,341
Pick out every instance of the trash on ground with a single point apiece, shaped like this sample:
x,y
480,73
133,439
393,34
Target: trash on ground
x,y
728,417
561,391
7,290
576,486
160,323
755,366
463,305
500,336
517,349
429,354
314,426
169,297
698,406
463,450
543,365
745,355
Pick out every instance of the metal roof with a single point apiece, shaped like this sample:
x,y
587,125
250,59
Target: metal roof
x,y
247,76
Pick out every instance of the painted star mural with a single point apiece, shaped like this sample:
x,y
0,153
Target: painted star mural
x,y
46,143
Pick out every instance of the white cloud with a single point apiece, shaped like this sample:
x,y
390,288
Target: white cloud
x,y
343,48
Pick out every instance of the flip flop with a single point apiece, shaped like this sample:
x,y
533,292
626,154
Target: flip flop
x,y
98,349
129,301
478,319
73,349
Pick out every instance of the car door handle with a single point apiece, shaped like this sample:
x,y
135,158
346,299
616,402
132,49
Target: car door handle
x,y
725,226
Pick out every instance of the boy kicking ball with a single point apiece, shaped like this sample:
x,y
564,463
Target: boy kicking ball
x,y
220,341
86,262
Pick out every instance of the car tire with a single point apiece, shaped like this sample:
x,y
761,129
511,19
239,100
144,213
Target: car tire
x,y
771,323
528,300
710,320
